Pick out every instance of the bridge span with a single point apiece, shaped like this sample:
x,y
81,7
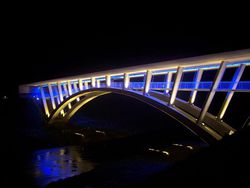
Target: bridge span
x,y
156,84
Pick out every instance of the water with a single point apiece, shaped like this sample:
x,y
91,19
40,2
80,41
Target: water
x,y
50,165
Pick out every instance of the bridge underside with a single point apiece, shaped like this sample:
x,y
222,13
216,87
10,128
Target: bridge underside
x,y
187,114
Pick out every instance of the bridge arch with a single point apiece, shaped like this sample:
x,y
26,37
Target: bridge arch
x,y
154,99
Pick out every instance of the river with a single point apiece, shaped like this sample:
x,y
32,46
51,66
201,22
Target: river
x,y
48,165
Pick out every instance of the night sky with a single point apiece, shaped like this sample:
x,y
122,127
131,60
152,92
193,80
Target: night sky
x,y
38,53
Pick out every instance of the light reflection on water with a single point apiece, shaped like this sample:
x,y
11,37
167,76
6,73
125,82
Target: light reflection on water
x,y
50,165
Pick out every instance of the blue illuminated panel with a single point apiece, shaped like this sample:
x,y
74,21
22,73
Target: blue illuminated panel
x,y
243,85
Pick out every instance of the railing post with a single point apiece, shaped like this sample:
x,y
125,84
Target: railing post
x,y
212,92
69,88
46,109
197,80
98,83
126,81
60,91
108,81
67,94
176,85
168,82
147,82
235,80
51,96
80,84
93,84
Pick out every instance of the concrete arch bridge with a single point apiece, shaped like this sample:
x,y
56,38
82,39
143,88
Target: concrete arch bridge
x,y
156,84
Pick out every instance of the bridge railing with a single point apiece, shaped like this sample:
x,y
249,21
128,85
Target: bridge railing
x,y
223,86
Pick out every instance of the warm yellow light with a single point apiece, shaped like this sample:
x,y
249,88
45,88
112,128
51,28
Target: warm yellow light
x,y
193,97
62,112
126,80
190,147
93,82
165,152
108,80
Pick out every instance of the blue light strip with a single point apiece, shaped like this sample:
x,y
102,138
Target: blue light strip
x,y
117,77
242,85
237,64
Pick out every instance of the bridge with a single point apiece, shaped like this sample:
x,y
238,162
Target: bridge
x,y
156,84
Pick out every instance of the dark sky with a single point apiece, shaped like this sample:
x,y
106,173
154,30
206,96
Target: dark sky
x,y
54,52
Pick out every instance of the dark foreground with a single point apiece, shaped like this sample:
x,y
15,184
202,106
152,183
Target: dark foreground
x,y
123,161
224,163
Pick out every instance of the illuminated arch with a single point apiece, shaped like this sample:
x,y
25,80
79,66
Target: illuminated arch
x,y
155,99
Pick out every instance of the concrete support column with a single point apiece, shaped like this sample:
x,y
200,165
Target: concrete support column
x,y
108,81
60,91
197,80
236,79
46,109
212,92
69,88
93,82
52,96
80,84
126,81
176,85
168,82
147,82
